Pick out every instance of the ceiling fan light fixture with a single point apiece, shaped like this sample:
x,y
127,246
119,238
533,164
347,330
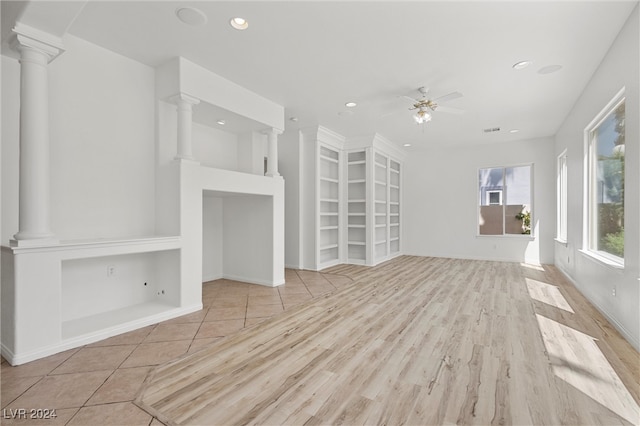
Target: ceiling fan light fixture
x,y
422,116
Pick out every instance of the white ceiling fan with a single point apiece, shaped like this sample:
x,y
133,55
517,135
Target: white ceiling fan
x,y
425,106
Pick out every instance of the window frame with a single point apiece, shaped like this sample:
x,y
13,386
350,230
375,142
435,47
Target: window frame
x,y
562,217
589,232
505,191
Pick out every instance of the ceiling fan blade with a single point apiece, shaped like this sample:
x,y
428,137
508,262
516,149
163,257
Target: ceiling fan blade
x,y
409,98
449,110
451,96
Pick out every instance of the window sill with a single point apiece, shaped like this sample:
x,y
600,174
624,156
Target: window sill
x,y
604,260
516,236
563,242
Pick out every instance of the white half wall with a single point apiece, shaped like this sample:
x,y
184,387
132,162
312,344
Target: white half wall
x,y
619,68
441,202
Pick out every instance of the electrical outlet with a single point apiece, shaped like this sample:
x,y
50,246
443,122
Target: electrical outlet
x,y
111,270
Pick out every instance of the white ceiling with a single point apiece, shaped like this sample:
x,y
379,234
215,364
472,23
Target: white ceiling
x,y
312,57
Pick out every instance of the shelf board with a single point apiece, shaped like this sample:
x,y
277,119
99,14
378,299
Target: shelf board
x,y
354,163
379,182
381,202
394,170
329,214
329,247
395,224
357,243
381,242
394,203
394,214
394,239
357,226
327,179
358,200
328,228
381,214
382,225
329,200
356,214
324,157
357,181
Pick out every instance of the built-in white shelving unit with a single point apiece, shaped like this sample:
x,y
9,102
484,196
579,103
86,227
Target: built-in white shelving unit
x,y
394,208
357,207
349,200
381,214
373,212
329,206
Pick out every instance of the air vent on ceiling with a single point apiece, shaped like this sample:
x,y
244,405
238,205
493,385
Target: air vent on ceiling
x,y
491,129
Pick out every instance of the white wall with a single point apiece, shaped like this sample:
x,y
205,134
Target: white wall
x,y
101,108
289,167
10,146
87,289
212,238
248,238
441,195
215,148
595,280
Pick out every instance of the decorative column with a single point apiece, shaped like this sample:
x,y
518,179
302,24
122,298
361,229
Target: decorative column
x,y
272,159
34,216
185,105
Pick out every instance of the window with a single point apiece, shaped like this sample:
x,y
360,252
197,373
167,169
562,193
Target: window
x,y
605,139
561,220
504,200
494,197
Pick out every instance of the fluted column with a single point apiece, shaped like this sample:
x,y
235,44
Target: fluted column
x,y
185,105
34,203
272,158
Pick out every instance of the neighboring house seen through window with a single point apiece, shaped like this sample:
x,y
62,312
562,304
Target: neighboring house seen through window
x,y
505,200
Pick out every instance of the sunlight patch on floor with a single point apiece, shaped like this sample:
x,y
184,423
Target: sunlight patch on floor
x,y
547,293
576,359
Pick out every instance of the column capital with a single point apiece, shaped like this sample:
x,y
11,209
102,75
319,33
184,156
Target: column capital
x,y
182,98
29,38
272,132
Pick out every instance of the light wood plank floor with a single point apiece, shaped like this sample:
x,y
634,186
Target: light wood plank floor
x,y
414,341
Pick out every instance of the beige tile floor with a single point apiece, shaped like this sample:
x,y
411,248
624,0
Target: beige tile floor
x,y
96,384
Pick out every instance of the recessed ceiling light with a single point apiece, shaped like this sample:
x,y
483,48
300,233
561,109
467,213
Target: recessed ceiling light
x,y
521,65
350,104
407,144
221,122
191,16
549,69
239,23
514,130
